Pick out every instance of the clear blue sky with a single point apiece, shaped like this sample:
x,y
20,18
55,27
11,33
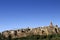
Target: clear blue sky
x,y
15,14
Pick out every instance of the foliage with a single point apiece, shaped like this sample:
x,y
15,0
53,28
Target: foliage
x,y
35,37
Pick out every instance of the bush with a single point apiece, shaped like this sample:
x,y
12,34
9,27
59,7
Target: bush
x,y
36,37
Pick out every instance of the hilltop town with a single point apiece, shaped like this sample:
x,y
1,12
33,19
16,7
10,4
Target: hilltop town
x,y
46,30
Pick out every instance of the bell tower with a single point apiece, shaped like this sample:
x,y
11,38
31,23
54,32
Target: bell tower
x,y
51,24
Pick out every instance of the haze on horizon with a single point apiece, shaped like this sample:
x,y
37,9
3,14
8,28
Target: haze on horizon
x,y
15,14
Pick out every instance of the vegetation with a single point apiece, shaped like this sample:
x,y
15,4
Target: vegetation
x,y
35,37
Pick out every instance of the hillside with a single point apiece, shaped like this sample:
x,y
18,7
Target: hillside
x,y
35,37
43,33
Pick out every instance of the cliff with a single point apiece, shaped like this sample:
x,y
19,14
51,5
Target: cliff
x,y
46,30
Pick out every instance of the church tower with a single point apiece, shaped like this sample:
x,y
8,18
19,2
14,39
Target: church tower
x,y
51,24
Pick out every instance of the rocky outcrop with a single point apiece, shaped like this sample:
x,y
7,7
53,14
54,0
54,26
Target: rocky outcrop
x,y
46,30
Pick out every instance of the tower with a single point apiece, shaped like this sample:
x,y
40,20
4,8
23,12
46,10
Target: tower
x,y
51,24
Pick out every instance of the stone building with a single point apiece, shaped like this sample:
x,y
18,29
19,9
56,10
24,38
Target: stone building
x,y
46,30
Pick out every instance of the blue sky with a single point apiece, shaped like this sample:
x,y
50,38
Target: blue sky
x,y
17,14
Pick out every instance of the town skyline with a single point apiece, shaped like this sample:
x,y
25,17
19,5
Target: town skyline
x,y
15,14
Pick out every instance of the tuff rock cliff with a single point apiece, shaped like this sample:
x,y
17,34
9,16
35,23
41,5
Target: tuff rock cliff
x,y
46,30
